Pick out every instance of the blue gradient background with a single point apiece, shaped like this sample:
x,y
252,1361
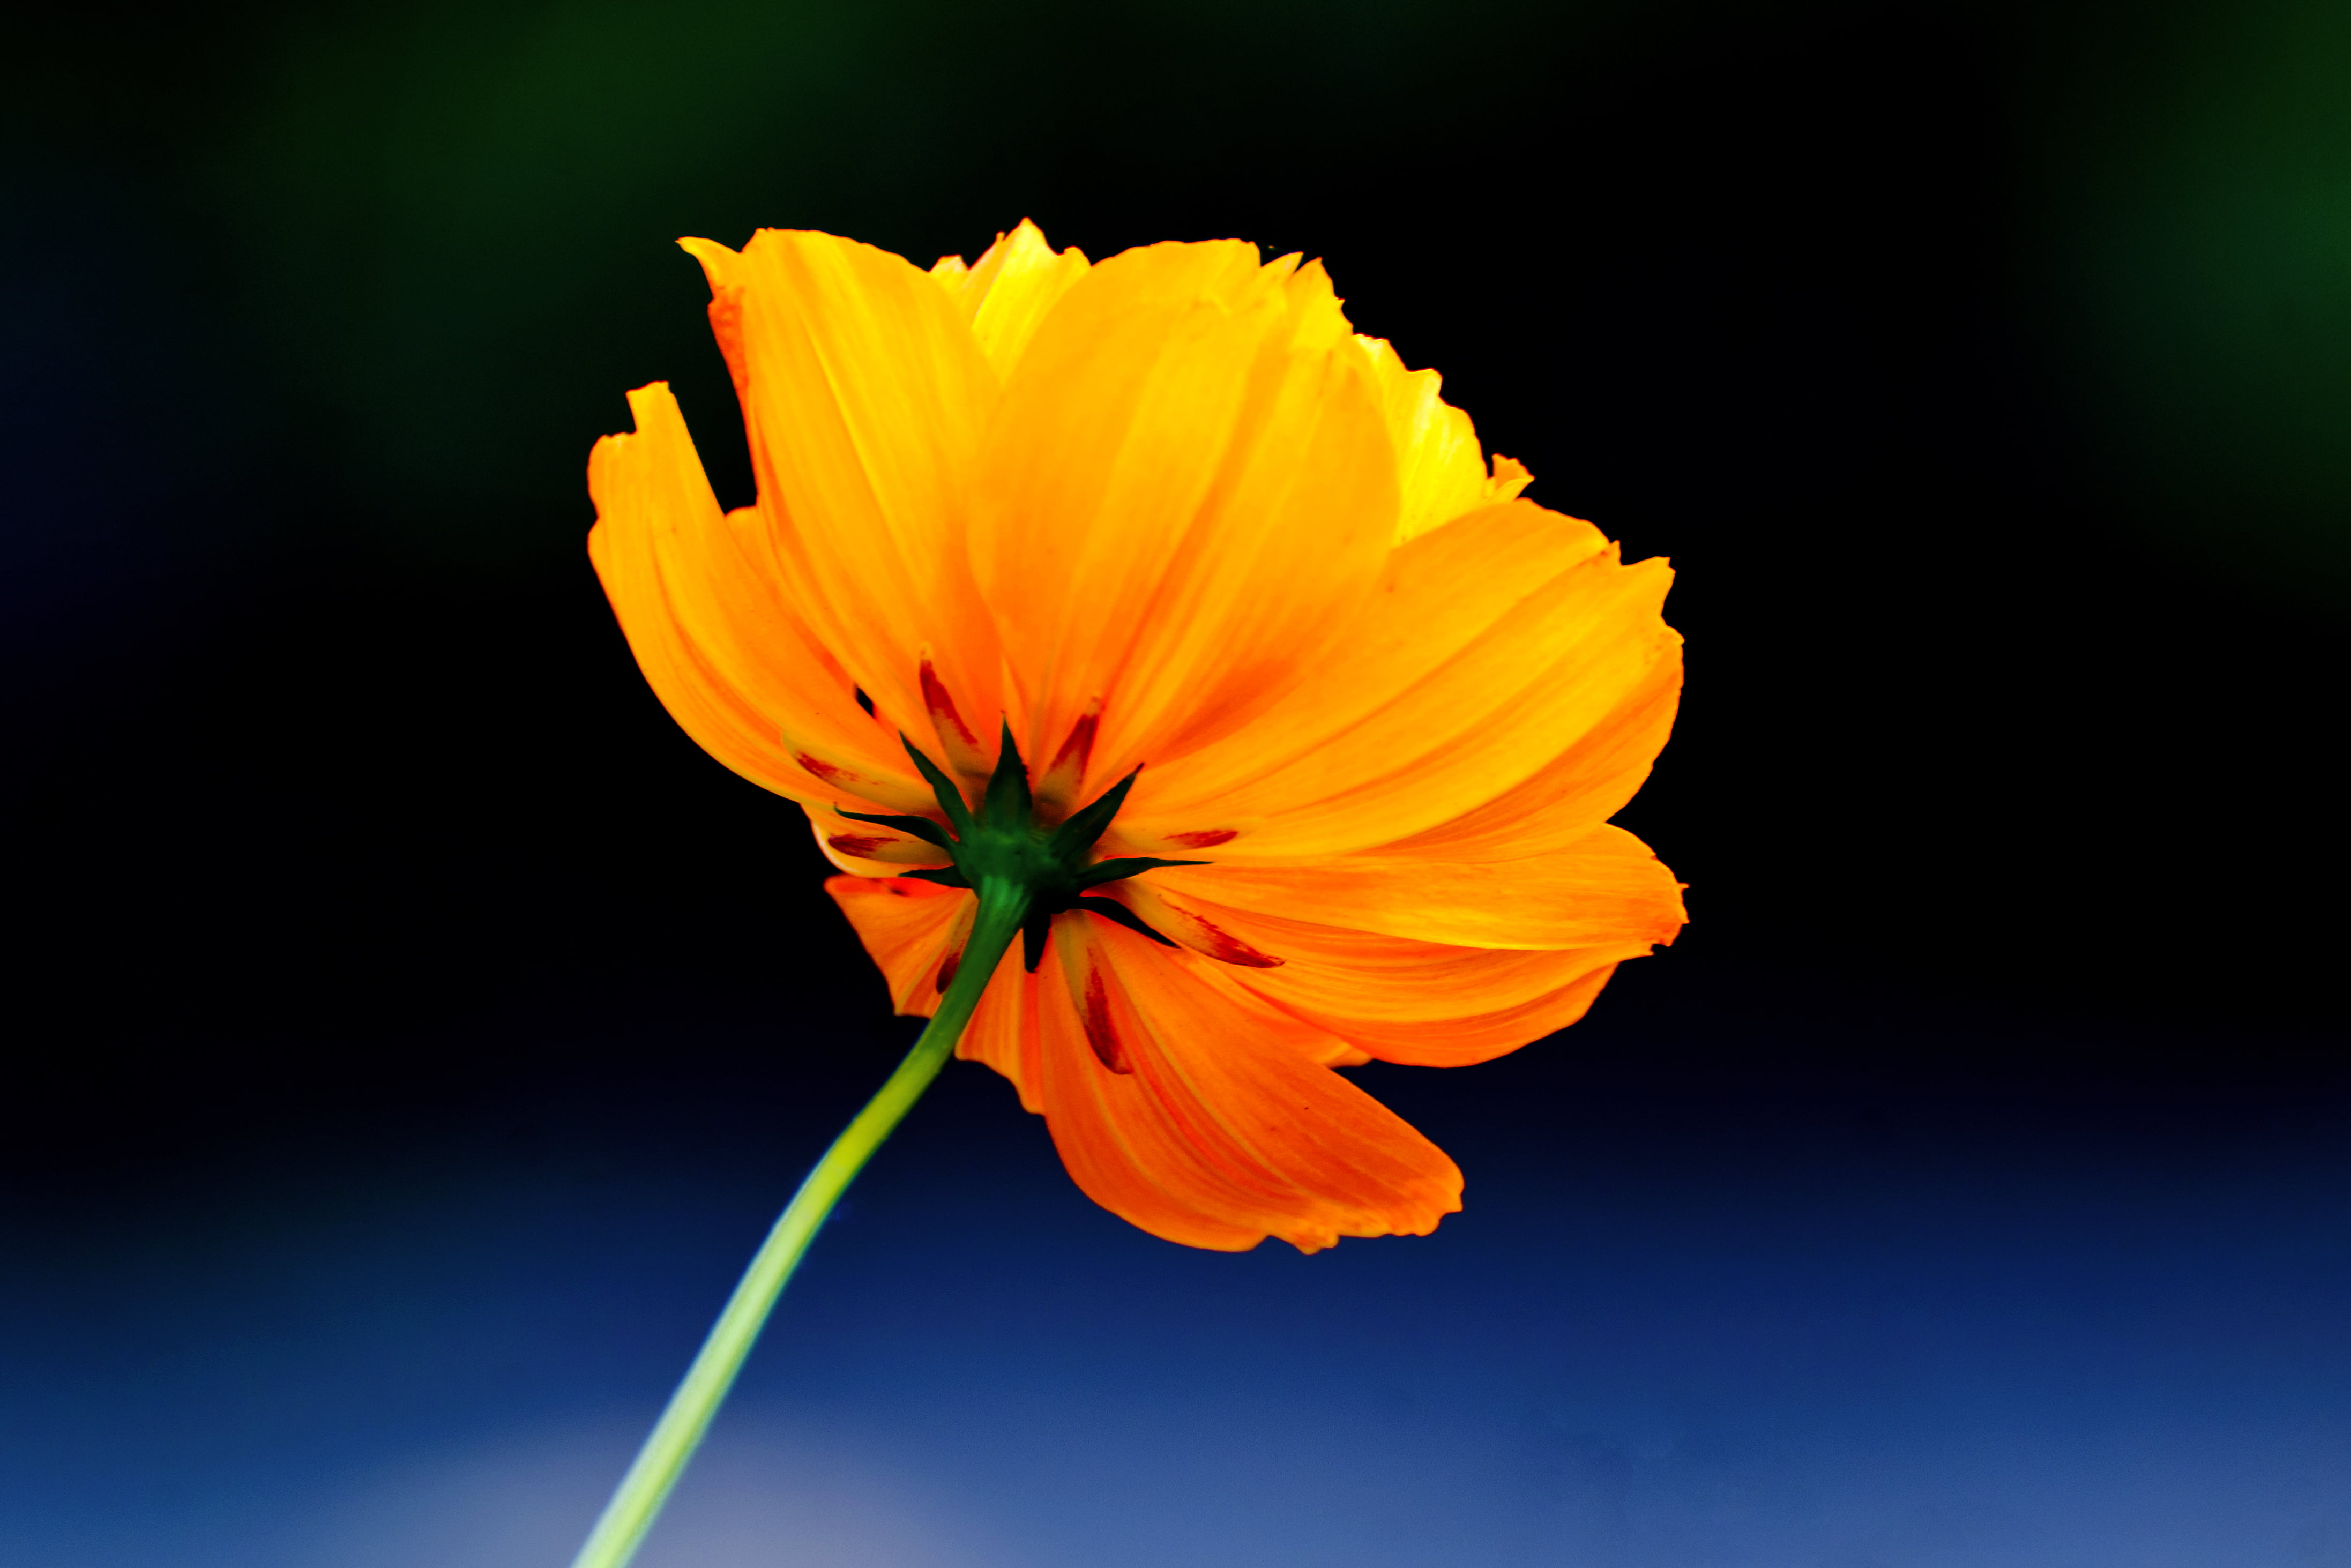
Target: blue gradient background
x,y
1711,1329
411,1034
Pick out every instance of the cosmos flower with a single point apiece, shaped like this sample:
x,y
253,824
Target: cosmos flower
x,y
1157,567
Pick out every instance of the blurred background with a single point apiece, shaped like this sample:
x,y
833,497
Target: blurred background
x,y
412,1032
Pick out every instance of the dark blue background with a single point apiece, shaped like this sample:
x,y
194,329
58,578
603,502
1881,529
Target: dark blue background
x,y
411,1034
1831,1329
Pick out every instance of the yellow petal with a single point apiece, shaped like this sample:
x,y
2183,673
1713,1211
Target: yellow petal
x,y
909,929
1463,1042
1411,725
1396,998
1605,889
1198,1112
1187,493
863,395
698,597
1008,291
863,849
1004,1033
1589,783
1435,597
1441,467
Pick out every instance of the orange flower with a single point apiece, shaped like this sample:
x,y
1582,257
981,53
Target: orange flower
x,y
1168,513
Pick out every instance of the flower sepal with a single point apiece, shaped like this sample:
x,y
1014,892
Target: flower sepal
x,y
1003,844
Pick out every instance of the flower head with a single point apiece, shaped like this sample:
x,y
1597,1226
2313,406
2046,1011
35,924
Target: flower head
x,y
1154,583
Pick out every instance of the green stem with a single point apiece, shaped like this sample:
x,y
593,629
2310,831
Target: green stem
x,y
638,1500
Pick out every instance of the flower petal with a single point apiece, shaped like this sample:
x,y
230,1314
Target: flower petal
x,y
1605,889
698,595
1592,782
1003,1032
909,929
1400,1000
868,849
1187,493
1467,680
863,395
1216,1128
1440,465
1008,291
1465,1042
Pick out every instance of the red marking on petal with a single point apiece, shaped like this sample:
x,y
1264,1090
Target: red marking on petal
x,y
1224,945
1079,746
947,970
859,843
1205,838
943,709
1101,1033
825,770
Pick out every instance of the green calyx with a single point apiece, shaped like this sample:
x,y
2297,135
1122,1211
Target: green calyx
x,y
1003,845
